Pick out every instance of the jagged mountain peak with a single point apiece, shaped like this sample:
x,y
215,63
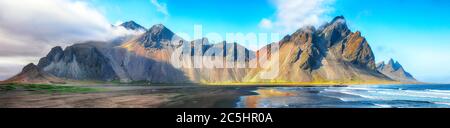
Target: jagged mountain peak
x,y
358,33
338,22
335,30
131,25
394,65
301,35
30,67
54,54
158,36
285,38
129,22
329,53
158,28
391,61
394,70
57,49
305,29
33,74
338,19
83,61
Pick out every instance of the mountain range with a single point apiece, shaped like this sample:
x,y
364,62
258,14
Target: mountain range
x,y
394,70
331,53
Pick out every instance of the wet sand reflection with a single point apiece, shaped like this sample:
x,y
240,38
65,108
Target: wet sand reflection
x,y
253,101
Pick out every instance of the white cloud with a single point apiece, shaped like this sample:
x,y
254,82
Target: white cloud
x,y
121,31
50,20
266,24
160,7
29,28
293,14
118,23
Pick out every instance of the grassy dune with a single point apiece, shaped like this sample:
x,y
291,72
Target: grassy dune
x,y
47,88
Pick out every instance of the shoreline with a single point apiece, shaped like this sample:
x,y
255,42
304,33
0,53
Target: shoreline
x,y
124,97
236,84
129,96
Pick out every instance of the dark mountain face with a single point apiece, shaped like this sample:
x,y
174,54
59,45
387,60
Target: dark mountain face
x,y
55,54
131,25
309,50
334,31
394,65
331,53
78,62
353,47
336,37
159,37
394,70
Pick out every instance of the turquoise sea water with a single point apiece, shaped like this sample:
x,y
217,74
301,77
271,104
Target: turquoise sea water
x,y
382,96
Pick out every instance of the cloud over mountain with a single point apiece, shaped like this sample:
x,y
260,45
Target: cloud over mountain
x,y
292,14
30,27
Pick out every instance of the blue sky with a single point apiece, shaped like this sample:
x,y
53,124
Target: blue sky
x,y
414,32
431,16
214,15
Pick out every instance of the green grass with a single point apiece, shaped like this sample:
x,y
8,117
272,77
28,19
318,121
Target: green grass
x,y
48,88
8,87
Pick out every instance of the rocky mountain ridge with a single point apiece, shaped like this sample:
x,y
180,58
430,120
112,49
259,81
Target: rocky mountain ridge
x,y
394,70
331,53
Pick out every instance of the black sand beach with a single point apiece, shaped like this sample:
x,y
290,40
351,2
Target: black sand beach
x,y
196,96
122,96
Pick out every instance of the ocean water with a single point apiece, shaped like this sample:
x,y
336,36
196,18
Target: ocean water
x,y
361,96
